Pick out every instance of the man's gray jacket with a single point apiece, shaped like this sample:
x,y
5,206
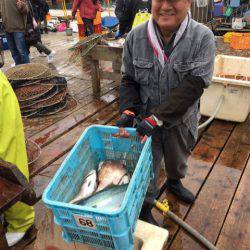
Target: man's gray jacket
x,y
171,93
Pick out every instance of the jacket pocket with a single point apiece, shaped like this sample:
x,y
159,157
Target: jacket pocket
x,y
184,67
181,69
142,70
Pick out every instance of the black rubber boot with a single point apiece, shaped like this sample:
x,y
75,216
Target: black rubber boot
x,y
146,214
176,187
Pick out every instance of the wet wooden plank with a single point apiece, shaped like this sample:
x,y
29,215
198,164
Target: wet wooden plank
x,y
81,84
61,58
64,125
85,96
110,75
52,168
35,125
106,53
235,233
39,183
200,163
63,144
49,234
209,211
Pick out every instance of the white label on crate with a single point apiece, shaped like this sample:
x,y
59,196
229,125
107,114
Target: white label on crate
x,y
84,221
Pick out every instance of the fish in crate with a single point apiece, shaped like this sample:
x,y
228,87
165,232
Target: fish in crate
x,y
103,186
97,193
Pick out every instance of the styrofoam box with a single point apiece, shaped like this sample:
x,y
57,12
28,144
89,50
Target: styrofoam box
x,y
231,78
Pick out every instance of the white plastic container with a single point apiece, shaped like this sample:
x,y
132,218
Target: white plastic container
x,y
238,24
231,79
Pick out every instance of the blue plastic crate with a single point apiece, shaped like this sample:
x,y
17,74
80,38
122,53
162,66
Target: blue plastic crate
x,y
100,228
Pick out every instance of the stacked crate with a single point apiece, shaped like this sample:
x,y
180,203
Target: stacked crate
x,y
240,41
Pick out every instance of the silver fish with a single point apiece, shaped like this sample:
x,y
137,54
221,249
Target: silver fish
x,y
110,199
88,187
112,173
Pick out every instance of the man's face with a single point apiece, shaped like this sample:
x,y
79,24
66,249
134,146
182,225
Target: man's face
x,y
169,14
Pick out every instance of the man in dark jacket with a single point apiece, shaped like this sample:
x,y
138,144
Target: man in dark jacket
x,y
14,16
167,62
126,11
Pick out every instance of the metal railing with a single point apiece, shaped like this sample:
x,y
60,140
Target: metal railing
x,y
201,14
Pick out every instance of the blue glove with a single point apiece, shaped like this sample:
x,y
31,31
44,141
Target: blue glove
x,y
118,34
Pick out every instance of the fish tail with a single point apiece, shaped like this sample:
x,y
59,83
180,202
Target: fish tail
x,y
76,200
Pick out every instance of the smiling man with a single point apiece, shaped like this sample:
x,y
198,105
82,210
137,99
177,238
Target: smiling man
x,y
167,62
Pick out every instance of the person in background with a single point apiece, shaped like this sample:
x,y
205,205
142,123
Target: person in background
x,y
88,10
14,17
20,217
126,11
33,30
40,9
167,63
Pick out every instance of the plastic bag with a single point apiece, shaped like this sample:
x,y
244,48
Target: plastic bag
x,y
140,18
73,26
61,27
237,23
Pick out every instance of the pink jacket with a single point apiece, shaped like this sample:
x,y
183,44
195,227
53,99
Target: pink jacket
x,y
87,8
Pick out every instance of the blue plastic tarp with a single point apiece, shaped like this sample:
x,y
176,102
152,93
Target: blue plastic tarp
x,y
109,21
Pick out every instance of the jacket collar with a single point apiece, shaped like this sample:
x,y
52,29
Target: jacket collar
x,y
156,42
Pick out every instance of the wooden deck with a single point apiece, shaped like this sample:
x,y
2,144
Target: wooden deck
x,y
218,174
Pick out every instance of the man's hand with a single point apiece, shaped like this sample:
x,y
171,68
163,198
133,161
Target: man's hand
x,y
147,127
20,4
126,120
